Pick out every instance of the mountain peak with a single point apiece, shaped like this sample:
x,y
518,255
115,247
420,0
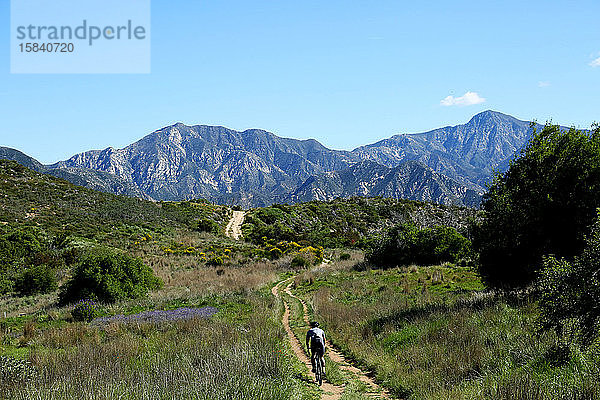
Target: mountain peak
x,y
490,115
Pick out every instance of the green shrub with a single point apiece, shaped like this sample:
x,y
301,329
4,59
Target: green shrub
x,y
109,275
299,262
216,260
37,279
85,310
206,225
19,242
542,205
275,253
570,292
406,244
6,285
344,256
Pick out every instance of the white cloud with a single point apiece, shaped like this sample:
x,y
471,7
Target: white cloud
x,y
543,84
467,99
595,63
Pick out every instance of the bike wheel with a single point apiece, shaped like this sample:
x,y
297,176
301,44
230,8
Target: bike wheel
x,y
319,372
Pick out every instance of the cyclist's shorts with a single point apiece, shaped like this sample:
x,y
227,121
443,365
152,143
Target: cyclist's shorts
x,y
317,347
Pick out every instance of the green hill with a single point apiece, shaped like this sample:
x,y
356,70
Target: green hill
x,y
33,199
348,222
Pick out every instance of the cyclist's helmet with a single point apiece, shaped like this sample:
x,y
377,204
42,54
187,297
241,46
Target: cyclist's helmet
x,y
314,324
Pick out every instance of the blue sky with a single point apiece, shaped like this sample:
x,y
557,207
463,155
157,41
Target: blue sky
x,y
344,73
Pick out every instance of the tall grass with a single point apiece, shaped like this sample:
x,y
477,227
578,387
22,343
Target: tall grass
x,y
196,359
426,340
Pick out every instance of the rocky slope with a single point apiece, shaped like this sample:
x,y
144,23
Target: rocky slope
x,y
467,153
410,180
90,178
182,162
257,168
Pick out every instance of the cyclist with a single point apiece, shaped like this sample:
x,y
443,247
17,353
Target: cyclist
x,y
315,341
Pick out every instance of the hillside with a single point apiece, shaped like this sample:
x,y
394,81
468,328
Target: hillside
x,y
35,199
409,180
468,153
347,222
92,179
7,153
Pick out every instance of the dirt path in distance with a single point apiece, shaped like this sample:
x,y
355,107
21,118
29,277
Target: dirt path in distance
x,y
234,227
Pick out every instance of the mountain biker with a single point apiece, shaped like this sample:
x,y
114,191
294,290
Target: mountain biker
x,y
315,341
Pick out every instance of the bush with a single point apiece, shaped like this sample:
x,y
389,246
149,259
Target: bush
x,y
84,310
216,260
344,256
299,262
406,244
275,253
206,225
20,242
542,205
37,279
6,285
570,292
109,275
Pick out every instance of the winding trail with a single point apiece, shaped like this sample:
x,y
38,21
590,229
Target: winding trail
x,y
331,392
234,227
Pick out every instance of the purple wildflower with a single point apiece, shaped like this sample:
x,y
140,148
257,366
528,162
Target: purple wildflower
x,y
158,316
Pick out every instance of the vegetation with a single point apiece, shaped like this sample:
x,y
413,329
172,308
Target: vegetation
x,y
406,244
85,310
570,292
427,325
108,275
30,259
435,333
542,205
346,222
37,279
57,206
221,358
115,250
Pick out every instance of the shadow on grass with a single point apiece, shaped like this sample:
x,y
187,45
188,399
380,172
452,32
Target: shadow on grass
x,y
479,302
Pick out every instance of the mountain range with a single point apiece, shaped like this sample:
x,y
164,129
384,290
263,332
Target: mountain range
x,y
449,165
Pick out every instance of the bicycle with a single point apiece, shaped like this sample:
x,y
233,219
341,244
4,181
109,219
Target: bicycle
x,y
319,373
319,367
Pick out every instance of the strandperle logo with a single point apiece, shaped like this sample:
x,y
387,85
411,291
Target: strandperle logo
x,y
80,36
84,31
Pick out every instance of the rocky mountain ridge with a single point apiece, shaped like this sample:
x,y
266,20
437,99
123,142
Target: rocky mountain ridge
x,y
409,180
257,168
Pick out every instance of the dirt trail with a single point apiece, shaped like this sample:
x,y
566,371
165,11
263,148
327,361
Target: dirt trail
x,y
331,391
234,227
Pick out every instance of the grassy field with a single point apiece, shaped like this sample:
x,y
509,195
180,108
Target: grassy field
x,y
435,333
239,353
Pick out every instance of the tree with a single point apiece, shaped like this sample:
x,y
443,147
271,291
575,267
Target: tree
x,y
108,275
570,291
36,279
541,205
406,244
